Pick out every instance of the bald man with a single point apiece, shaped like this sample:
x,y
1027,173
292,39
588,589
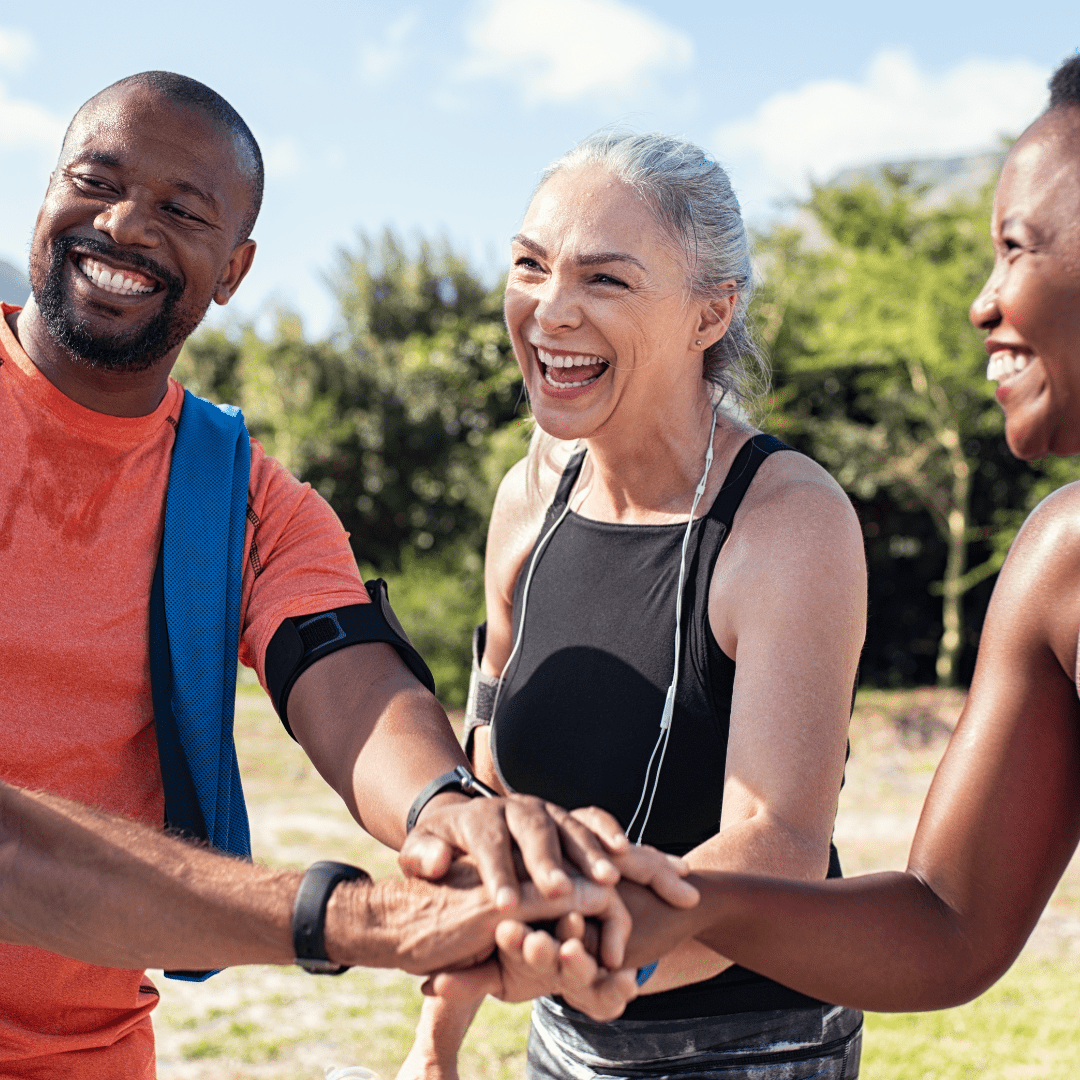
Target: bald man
x,y
146,221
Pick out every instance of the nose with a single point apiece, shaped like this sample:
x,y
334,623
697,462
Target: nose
x,y
128,222
558,307
984,313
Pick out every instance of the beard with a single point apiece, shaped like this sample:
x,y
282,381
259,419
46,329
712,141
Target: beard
x,y
135,350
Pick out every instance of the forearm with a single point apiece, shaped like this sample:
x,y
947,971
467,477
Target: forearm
x,y
759,845
111,891
374,734
885,942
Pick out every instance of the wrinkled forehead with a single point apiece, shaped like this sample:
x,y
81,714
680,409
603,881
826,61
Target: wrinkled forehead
x,y
587,208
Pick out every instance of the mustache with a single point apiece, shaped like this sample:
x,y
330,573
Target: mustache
x,y
63,245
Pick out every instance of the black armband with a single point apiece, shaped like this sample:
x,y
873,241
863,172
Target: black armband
x,y
304,639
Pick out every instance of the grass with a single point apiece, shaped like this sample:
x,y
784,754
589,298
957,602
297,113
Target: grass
x,y
277,1023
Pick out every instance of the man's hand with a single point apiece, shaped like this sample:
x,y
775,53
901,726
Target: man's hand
x,y
547,837
421,927
487,830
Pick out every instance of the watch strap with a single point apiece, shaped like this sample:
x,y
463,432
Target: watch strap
x,y
309,914
458,779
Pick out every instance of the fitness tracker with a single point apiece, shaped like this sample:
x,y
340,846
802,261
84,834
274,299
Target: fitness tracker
x,y
459,779
309,915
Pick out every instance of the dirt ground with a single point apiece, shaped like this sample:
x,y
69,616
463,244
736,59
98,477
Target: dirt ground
x,y
271,1023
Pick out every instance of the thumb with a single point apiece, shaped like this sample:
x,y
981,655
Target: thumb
x,y
425,856
467,985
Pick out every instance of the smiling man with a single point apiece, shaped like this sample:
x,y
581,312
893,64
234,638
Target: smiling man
x,y
146,221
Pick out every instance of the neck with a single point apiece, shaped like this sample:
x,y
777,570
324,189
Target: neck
x,y
115,393
649,476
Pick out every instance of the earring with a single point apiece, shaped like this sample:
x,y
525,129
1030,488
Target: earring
x,y
698,342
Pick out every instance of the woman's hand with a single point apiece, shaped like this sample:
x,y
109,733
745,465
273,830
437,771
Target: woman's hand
x,y
530,963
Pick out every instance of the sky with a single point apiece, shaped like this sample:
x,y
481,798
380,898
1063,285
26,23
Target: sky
x,y
436,118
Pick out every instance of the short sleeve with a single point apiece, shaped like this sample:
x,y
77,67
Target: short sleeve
x,y
298,559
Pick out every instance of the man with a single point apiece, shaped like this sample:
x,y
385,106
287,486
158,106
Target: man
x,y
146,220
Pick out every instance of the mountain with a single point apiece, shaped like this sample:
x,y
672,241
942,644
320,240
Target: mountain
x,y
14,284
945,179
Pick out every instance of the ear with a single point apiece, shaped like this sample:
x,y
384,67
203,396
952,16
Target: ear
x,y
714,317
235,271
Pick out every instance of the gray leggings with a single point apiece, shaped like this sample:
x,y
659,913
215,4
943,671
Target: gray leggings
x,y
821,1043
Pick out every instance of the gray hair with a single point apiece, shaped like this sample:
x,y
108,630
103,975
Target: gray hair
x,y
692,199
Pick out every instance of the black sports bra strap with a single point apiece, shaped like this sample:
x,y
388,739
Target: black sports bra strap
x,y
567,481
742,472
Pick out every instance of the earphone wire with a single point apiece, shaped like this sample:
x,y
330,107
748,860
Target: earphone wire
x,y
668,712
525,596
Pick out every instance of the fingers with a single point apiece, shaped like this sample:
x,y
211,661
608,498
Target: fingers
x,y
607,997
538,837
604,826
584,846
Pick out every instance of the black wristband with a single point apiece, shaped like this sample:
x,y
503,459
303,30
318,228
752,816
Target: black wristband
x,y
458,779
309,914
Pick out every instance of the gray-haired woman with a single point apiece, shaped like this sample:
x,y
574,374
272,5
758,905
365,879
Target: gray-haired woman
x,y
674,614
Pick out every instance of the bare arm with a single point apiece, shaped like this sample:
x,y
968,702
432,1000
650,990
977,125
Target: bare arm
x,y
1000,823
111,891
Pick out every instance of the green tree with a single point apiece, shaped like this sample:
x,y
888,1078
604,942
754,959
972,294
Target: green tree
x,y
874,315
405,421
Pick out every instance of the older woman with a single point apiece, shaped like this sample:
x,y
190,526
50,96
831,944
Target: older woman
x,y
1002,819
675,612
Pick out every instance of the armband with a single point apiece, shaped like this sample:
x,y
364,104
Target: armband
x,y
480,703
303,640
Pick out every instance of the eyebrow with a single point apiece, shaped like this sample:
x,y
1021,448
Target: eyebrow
x,y
111,161
596,259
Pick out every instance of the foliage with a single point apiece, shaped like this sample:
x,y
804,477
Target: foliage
x,y
403,422
880,377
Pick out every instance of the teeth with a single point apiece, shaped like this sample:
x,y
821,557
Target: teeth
x,y
1004,363
563,361
112,281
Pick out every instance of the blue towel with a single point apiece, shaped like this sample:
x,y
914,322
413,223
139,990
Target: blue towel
x,y
195,629
202,561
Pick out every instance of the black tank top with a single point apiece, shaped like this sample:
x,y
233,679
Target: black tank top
x,y
579,709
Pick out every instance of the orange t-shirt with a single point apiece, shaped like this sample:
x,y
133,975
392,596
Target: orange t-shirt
x,y
82,498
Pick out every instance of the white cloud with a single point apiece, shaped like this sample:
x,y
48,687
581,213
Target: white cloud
x,y
16,49
379,59
564,50
26,125
897,112
282,157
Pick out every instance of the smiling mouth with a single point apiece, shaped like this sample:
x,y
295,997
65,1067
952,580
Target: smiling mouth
x,y
1005,365
118,282
567,371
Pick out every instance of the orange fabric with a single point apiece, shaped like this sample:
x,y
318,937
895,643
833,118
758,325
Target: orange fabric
x,y
82,499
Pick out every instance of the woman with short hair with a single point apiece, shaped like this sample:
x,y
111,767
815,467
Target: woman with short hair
x,y
676,602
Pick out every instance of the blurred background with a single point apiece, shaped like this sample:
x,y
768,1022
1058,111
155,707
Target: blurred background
x,y
402,141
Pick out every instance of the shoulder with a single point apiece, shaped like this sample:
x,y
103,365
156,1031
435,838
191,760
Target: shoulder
x,y
1038,590
795,550
515,524
794,500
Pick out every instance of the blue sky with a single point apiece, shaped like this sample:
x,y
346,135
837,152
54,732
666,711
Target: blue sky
x,y
438,117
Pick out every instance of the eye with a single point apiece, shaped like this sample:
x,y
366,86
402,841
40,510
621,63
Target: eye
x,y
607,279
92,182
181,212
526,262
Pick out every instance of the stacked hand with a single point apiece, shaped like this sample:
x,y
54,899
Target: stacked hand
x,y
528,854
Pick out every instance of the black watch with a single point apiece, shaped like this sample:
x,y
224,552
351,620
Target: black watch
x,y
309,915
458,779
